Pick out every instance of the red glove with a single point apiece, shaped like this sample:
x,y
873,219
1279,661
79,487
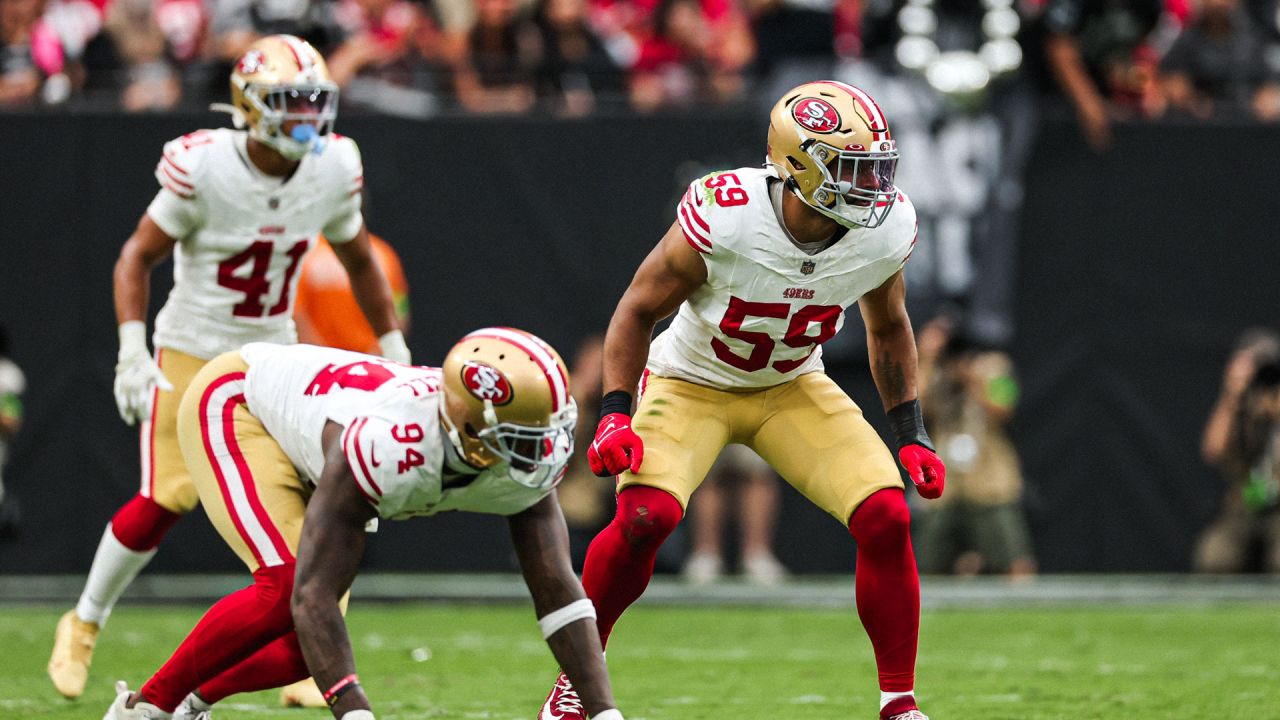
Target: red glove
x,y
616,447
925,468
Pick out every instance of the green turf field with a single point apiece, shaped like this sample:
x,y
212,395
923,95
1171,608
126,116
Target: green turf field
x,y
435,661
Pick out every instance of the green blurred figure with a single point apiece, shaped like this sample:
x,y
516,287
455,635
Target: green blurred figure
x,y
978,525
1242,438
12,384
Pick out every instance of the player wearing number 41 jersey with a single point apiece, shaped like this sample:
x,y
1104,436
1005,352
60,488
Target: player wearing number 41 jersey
x,y
761,265
238,209
295,449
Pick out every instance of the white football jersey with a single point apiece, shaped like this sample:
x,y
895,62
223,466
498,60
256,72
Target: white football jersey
x,y
767,306
392,437
241,236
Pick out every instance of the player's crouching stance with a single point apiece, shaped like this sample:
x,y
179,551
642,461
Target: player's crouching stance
x,y
294,450
761,265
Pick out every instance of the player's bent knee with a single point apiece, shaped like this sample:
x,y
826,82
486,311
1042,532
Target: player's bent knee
x,y
883,517
142,523
274,586
647,515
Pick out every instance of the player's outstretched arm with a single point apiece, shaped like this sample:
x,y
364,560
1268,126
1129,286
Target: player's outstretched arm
x,y
373,293
892,348
566,616
329,553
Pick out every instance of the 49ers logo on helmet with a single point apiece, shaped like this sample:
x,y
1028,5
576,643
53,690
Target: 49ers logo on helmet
x,y
816,115
486,382
252,62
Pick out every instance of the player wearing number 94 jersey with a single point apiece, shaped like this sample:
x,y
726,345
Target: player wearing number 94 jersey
x,y
238,209
761,265
294,449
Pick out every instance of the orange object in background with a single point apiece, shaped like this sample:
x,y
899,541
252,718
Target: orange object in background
x,y
326,311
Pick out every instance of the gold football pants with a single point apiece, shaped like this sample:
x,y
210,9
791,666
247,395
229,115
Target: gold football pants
x,y
248,486
807,429
164,473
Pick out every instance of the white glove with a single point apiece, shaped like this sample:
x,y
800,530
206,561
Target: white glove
x,y
137,374
393,347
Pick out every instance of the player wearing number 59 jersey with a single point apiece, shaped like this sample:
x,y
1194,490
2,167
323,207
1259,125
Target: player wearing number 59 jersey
x,y
761,265
237,209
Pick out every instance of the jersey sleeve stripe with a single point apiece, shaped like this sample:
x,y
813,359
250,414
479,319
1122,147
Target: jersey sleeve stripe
x,y
174,178
698,242
167,159
355,459
355,443
184,194
688,202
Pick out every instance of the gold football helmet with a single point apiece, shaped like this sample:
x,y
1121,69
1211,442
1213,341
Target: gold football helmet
x,y
281,90
831,143
506,400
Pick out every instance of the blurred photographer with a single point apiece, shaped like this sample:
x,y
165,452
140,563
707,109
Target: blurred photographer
x,y
12,383
1242,438
979,526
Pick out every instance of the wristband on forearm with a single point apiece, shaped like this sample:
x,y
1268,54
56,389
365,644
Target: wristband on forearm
x,y
908,425
617,401
341,688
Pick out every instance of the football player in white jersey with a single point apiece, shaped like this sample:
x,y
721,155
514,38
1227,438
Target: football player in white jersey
x,y
238,209
294,449
761,265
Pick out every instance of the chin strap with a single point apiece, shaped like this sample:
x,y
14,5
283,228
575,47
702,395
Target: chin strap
x,y
237,115
454,438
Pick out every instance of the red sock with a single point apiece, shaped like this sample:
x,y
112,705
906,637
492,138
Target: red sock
x,y
888,586
620,559
275,665
141,524
235,628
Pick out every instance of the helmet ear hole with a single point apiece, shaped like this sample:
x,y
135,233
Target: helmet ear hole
x,y
796,164
470,430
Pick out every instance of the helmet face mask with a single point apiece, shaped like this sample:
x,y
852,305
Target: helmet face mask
x,y
529,449
857,187
507,403
281,90
831,144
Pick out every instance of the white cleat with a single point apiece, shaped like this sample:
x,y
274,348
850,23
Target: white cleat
x,y
562,703
73,644
703,569
910,715
193,708
764,569
140,711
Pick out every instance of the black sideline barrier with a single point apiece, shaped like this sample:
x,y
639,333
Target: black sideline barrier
x,y
1136,270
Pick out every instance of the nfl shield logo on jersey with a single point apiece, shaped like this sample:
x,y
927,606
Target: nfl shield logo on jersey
x,y
806,267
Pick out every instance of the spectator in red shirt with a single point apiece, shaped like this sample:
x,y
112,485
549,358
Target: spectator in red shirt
x,y
694,53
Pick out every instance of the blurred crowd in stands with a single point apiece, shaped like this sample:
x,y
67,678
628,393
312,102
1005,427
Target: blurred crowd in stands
x,y
1108,58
